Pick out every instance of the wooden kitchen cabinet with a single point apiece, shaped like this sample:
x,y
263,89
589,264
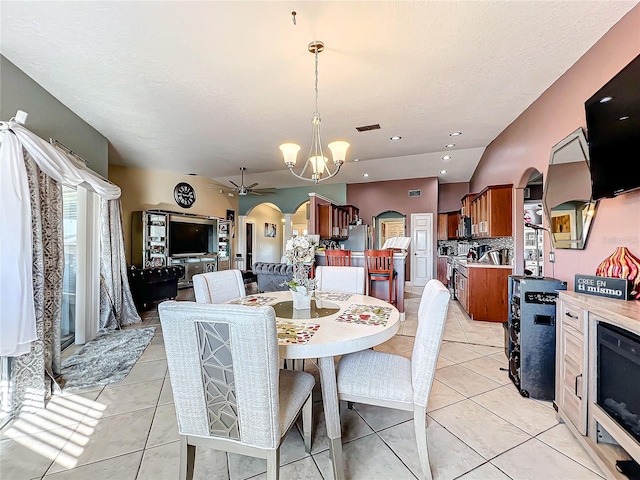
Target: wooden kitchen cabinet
x,y
353,213
453,225
448,225
483,291
442,270
466,204
443,226
491,212
462,290
332,222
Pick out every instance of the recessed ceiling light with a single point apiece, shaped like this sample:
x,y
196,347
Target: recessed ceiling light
x,y
446,157
455,134
626,117
443,171
450,145
395,138
365,174
356,159
606,99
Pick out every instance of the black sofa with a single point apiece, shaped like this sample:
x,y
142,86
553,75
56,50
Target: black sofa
x,y
149,285
271,275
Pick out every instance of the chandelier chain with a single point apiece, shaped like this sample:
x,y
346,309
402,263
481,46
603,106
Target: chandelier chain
x,y
316,55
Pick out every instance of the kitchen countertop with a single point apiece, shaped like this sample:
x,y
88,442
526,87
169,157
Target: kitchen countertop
x,y
462,260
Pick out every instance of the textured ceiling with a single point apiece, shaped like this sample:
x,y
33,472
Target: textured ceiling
x,y
207,87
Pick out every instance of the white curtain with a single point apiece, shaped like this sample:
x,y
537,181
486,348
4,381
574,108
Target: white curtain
x,y
17,312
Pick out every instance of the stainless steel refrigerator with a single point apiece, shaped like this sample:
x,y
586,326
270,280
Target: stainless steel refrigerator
x,y
359,238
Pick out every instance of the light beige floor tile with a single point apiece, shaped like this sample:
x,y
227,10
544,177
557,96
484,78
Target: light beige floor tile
x,y
164,428
448,456
485,472
166,394
119,399
454,335
442,396
352,425
291,450
153,352
485,349
29,456
304,469
380,417
398,344
360,463
561,438
548,463
465,381
443,362
486,338
457,352
489,368
163,463
106,438
485,432
124,467
524,413
144,372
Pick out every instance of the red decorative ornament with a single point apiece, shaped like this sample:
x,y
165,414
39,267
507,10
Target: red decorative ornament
x,y
622,264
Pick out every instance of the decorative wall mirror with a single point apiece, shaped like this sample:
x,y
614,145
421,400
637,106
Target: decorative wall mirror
x,y
567,192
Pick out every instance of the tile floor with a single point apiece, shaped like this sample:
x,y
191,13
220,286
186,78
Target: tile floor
x,y
479,427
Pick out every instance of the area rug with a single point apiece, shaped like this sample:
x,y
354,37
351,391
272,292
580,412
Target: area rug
x,y
106,359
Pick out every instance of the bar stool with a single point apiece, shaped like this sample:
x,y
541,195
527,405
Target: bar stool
x,y
379,267
338,257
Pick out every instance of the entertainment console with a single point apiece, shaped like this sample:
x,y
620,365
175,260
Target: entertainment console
x,y
198,243
597,366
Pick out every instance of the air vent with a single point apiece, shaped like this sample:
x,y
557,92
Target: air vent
x,y
366,128
415,193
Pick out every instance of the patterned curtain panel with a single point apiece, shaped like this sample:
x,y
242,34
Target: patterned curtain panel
x,y
33,373
116,303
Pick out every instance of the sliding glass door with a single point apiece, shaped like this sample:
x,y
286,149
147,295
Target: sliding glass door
x,y
70,234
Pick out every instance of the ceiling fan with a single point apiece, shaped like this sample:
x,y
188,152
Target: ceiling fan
x,y
242,190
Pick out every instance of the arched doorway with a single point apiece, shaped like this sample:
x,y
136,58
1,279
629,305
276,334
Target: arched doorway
x,y
388,224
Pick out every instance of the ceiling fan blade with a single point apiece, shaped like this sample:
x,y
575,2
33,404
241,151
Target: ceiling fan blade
x,y
234,184
253,185
253,192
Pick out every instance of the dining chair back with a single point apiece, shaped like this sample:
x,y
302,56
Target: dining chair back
x,y
228,390
379,267
388,380
340,279
337,257
218,287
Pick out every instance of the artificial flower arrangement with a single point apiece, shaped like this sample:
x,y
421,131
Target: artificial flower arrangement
x,y
300,252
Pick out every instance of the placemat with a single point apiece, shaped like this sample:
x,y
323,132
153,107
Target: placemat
x,y
252,300
336,296
295,333
365,315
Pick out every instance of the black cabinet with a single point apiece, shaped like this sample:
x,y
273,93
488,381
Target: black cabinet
x,y
532,334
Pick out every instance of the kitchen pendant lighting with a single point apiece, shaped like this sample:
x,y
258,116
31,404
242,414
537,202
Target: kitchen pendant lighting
x,y
315,168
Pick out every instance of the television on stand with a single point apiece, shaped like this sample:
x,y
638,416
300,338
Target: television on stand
x,y
613,131
187,238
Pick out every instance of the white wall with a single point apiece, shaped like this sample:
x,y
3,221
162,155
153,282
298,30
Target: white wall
x,y
268,249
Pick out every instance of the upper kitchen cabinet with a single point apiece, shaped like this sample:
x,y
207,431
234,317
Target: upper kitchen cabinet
x,y
332,222
492,212
448,225
466,204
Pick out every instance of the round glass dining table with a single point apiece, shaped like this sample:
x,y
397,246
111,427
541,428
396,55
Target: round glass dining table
x,y
337,324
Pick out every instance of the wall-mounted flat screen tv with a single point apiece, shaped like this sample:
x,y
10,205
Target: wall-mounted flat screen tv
x,y
189,238
613,132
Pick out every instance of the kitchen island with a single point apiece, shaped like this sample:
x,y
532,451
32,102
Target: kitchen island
x,y
379,289
482,289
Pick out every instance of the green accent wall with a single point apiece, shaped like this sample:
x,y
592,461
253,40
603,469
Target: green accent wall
x,y
49,118
289,199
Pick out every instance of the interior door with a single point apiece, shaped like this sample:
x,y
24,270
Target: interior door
x,y
422,248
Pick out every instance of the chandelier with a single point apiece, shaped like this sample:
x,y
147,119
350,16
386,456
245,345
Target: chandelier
x,y
315,168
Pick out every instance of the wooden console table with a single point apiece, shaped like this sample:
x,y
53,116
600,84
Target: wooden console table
x,y
578,316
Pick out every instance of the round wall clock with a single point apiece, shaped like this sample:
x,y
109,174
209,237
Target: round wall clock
x,y
184,195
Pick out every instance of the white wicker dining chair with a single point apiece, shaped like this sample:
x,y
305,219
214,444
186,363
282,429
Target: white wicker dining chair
x,y
387,380
228,390
340,279
218,287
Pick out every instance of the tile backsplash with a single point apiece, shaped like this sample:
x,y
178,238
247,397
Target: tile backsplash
x,y
460,247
